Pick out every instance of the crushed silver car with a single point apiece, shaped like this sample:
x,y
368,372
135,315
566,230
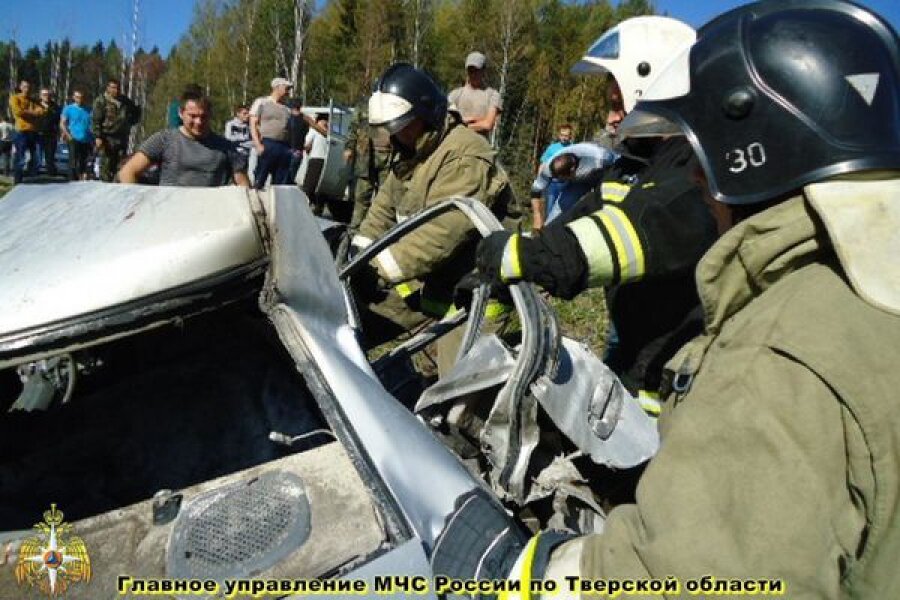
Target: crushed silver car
x,y
180,373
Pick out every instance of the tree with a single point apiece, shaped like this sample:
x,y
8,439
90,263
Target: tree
x,y
248,11
301,20
421,18
337,48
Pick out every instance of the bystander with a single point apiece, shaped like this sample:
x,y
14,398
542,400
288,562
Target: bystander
x,y
298,128
316,147
479,105
28,114
269,130
49,130
191,155
112,118
75,124
7,133
578,169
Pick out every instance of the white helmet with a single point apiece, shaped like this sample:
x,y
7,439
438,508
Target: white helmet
x,y
635,52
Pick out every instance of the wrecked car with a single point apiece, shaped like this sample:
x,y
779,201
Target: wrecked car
x,y
180,374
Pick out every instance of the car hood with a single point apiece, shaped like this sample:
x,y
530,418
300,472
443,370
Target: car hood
x,y
71,249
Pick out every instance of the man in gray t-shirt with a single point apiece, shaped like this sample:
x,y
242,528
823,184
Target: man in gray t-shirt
x,y
269,118
190,155
479,104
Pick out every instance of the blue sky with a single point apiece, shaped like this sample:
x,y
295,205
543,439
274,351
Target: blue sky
x,y
163,22
698,12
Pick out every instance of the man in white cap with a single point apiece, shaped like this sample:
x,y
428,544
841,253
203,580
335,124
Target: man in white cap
x,y
269,116
478,104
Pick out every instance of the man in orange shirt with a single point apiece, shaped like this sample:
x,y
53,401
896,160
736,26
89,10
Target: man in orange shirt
x,y
28,114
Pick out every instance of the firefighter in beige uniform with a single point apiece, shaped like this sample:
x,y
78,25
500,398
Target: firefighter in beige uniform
x,y
435,157
778,465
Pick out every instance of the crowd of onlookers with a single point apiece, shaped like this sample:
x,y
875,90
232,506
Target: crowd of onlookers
x,y
263,143
96,136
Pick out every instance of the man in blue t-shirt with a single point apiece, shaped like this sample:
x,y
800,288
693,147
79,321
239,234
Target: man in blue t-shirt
x,y
563,140
579,168
556,188
75,124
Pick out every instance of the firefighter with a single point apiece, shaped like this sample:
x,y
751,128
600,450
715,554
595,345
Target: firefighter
x,y
368,159
434,156
777,472
644,231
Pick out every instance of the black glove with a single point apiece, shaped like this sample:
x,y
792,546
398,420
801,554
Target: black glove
x,y
551,259
367,286
479,542
462,293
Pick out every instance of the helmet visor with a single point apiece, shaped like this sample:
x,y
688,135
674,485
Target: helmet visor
x,y
389,112
596,60
641,124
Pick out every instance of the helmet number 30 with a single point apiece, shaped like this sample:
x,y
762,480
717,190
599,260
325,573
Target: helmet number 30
x,y
754,155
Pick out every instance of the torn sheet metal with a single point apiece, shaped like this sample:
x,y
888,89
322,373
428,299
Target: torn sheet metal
x,y
588,403
510,433
575,508
487,364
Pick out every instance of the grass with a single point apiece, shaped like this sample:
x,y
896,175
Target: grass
x,y
585,318
5,186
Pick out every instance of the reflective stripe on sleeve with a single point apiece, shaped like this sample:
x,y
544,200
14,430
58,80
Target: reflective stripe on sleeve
x,y
650,402
627,243
522,572
435,308
360,241
389,266
496,309
596,251
613,191
404,289
510,264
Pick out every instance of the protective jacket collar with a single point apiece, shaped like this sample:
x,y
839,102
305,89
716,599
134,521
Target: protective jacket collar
x,y
754,255
857,218
862,219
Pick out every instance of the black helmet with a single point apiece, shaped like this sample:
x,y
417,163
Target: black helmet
x,y
782,93
402,93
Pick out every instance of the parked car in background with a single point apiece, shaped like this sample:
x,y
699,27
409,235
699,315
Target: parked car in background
x,y
336,173
62,158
